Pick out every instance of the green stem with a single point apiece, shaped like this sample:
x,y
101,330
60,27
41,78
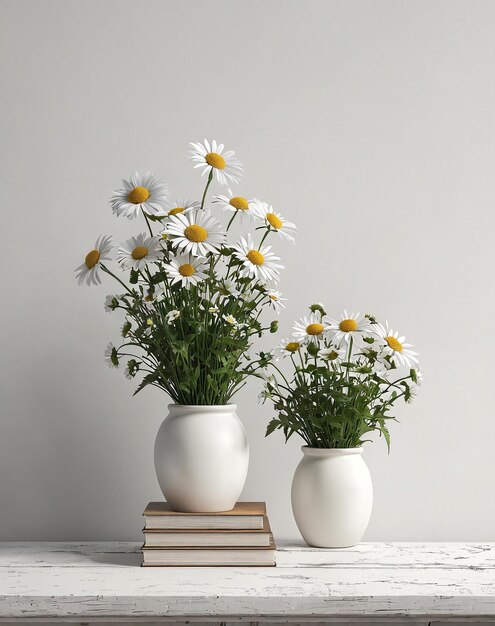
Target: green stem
x,y
210,176
263,239
349,356
231,220
148,223
105,269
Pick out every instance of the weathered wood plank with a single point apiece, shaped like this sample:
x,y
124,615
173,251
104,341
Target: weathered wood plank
x,y
341,621
104,580
399,555
133,622
146,622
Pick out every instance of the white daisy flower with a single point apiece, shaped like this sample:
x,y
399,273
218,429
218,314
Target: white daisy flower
x,y
348,326
228,289
195,233
411,394
395,346
137,252
272,220
332,354
172,316
131,369
269,379
186,271
263,395
140,192
151,295
88,272
372,351
309,328
213,158
236,204
266,393
111,302
232,321
288,346
111,357
260,264
182,206
248,296
419,377
276,300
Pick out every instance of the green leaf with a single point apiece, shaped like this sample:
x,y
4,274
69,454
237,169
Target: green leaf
x,y
147,380
273,425
313,349
156,218
134,277
114,357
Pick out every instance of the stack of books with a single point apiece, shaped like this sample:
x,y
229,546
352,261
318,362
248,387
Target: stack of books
x,y
238,537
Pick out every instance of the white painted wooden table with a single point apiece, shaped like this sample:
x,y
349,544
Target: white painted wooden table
x,y
373,582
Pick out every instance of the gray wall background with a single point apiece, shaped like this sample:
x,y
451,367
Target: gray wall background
x,y
369,124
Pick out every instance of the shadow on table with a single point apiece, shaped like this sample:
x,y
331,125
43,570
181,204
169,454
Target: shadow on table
x,y
124,559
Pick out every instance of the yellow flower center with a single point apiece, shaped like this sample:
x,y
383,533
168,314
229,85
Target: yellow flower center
x,y
331,356
314,329
178,209
196,233
187,270
292,346
255,257
239,203
348,326
273,296
92,259
139,253
394,343
215,160
274,221
138,195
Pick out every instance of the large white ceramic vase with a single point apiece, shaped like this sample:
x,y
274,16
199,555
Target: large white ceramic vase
x,y
201,458
332,496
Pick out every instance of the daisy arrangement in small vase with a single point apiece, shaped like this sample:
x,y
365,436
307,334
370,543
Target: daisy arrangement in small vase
x,y
192,298
346,375
343,377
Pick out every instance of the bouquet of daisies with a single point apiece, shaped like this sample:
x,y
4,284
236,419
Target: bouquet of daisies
x,y
192,300
345,376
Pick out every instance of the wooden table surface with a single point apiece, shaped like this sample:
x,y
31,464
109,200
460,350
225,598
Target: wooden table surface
x,y
372,581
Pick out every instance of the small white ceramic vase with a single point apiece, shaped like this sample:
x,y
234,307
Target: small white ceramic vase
x,y
201,458
332,496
